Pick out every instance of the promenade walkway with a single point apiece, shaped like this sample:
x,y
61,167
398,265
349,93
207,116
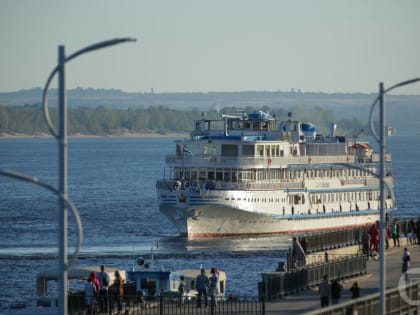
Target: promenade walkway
x,y
308,300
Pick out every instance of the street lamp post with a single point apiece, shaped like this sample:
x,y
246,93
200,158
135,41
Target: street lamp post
x,y
61,137
382,222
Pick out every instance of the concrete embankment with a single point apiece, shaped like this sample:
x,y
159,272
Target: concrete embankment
x,y
309,300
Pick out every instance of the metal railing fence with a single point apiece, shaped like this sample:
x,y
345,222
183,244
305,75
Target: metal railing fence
x,y
170,305
277,284
321,241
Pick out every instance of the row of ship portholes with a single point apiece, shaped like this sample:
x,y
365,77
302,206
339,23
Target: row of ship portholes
x,y
315,199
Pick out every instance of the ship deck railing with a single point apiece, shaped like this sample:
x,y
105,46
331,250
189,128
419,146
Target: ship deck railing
x,y
172,184
203,160
249,184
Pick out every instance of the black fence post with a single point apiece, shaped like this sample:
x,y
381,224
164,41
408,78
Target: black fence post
x,y
263,306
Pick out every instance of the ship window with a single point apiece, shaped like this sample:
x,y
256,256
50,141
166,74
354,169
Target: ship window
x,y
219,174
210,149
202,174
229,150
234,175
194,174
210,175
187,173
247,150
260,150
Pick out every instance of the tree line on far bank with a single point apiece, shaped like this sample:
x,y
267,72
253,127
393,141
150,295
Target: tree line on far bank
x,y
29,119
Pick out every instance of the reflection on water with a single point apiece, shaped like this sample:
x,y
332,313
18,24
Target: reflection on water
x,y
233,243
164,245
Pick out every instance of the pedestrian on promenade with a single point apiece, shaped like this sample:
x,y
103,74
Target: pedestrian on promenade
x,y
405,262
336,288
374,237
355,290
202,283
395,233
324,292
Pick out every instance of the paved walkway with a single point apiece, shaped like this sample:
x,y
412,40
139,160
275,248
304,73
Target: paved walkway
x,y
309,300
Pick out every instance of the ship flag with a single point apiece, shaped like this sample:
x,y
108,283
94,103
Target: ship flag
x,y
186,149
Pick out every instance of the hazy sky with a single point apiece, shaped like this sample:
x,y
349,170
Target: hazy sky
x,y
215,45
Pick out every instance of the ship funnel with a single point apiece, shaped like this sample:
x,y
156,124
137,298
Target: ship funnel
x,y
332,129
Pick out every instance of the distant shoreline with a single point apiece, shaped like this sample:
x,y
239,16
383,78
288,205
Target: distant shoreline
x,y
16,135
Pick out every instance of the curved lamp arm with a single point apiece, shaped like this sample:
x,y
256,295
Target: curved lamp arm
x,y
87,49
372,127
35,180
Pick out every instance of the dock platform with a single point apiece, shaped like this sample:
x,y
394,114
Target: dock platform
x,y
308,300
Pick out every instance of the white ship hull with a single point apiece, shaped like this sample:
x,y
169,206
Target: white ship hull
x,y
213,221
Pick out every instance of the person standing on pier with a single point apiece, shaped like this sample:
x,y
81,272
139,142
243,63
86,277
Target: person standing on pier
x,y
355,291
405,262
202,283
336,289
90,293
117,292
181,290
395,232
324,292
103,293
213,280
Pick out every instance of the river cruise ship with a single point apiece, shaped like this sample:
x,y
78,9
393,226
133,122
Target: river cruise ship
x,y
249,174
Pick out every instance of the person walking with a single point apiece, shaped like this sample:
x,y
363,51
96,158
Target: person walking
x,y
202,284
336,289
103,278
374,237
405,262
355,290
324,292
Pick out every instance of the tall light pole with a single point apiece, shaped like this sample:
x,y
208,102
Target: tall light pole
x,y
382,222
61,137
